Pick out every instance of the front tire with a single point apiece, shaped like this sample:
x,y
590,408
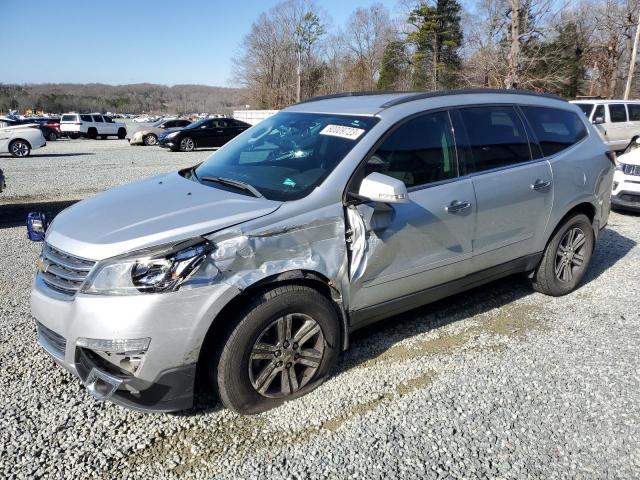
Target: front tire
x,y
92,133
19,148
122,133
566,257
150,139
187,144
285,343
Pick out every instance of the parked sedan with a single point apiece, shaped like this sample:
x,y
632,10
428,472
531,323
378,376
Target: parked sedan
x,y
208,132
149,135
19,139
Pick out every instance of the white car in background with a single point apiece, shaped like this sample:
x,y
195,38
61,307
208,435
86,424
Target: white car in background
x,y
94,125
19,140
617,121
626,179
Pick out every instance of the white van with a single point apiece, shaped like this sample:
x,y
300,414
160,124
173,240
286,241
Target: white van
x,y
77,125
617,121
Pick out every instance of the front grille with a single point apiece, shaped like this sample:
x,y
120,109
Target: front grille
x,y
52,342
62,272
631,169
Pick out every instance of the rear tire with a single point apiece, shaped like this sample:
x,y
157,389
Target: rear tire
x,y
566,257
92,133
122,133
284,344
187,144
150,139
52,136
19,148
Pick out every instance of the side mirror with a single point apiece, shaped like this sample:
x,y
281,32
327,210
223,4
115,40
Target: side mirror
x,y
382,188
598,120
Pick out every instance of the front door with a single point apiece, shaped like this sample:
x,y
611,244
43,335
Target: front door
x,y
514,193
411,247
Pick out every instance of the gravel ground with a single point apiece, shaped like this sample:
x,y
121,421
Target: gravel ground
x,y
72,169
499,382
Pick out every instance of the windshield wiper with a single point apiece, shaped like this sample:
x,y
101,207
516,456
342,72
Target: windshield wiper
x,y
232,183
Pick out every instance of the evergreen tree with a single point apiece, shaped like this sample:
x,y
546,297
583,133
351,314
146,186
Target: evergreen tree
x,y
436,39
393,66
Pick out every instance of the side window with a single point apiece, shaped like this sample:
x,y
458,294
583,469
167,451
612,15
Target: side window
x,y
634,112
108,119
418,152
169,124
182,123
555,129
97,118
599,113
491,137
618,113
86,118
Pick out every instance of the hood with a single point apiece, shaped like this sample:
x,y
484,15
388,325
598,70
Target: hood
x,y
150,212
631,158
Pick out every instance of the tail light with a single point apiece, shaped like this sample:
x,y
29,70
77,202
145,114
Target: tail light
x,y
611,155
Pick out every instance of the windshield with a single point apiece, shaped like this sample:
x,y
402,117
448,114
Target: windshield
x,y
586,108
198,123
158,123
287,155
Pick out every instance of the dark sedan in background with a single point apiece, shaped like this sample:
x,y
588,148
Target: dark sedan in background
x,y
208,132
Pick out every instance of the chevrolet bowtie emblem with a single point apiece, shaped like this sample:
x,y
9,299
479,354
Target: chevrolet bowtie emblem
x,y
40,265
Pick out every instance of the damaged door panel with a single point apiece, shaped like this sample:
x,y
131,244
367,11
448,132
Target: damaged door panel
x,y
410,247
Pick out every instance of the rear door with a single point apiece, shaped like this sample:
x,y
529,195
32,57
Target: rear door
x,y
423,243
618,127
633,109
109,126
513,192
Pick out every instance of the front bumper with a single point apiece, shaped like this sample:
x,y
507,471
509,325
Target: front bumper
x,y
176,323
167,144
626,191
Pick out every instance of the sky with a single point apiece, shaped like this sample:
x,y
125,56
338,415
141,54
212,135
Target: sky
x,y
117,42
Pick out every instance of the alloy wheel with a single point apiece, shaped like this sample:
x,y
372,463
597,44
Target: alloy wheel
x,y
570,255
286,355
186,145
20,149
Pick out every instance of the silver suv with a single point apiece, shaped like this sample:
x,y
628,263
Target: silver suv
x,y
252,268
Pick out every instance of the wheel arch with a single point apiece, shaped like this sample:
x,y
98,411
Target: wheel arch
x,y
585,207
13,140
219,328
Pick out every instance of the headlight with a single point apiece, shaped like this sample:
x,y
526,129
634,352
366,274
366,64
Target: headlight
x,y
172,135
157,270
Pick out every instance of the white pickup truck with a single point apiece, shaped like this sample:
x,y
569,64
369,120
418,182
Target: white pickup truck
x,y
76,125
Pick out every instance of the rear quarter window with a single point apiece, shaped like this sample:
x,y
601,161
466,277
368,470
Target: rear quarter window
x,y
69,118
634,112
618,113
555,129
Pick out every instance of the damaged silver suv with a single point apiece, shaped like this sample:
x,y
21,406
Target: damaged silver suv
x,y
252,268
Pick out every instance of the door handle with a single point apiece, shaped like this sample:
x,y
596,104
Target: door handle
x,y
457,207
540,185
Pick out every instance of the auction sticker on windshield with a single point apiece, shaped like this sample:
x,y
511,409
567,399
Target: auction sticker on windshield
x,y
350,133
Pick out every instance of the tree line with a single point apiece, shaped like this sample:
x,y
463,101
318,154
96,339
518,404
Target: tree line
x,y
571,48
133,98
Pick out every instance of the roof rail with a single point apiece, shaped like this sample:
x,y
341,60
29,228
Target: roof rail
x,y
465,91
349,94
